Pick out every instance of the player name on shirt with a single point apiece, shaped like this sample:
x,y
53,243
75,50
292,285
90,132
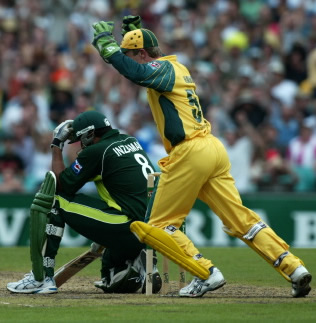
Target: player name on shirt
x,y
128,148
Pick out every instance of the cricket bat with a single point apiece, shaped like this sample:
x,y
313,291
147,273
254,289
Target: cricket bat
x,y
71,268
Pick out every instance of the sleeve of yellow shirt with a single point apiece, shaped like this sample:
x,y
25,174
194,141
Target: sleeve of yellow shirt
x,y
158,75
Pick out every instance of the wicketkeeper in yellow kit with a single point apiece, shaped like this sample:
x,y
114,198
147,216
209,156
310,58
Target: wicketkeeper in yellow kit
x,y
197,165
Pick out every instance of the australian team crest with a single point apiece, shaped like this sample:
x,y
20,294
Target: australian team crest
x,y
76,167
154,64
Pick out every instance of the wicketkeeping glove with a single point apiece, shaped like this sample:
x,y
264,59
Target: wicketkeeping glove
x,y
131,23
62,133
104,40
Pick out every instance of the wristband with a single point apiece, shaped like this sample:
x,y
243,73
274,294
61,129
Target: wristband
x,y
57,143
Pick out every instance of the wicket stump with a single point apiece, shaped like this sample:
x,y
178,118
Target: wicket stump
x,y
165,261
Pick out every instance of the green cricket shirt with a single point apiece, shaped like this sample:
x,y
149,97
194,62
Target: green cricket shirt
x,y
118,165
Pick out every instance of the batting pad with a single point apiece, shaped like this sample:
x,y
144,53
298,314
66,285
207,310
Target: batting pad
x,y
40,207
161,241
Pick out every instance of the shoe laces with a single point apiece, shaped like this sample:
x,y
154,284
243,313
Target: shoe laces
x,y
195,282
28,276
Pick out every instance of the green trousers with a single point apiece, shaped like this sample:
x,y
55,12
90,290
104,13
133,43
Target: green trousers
x,y
94,219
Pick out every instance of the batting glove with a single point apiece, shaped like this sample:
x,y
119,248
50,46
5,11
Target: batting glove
x,y
104,40
131,23
62,133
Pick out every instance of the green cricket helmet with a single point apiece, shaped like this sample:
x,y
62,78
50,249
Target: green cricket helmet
x,y
85,125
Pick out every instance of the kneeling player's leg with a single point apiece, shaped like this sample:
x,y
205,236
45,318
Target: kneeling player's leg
x,y
35,282
40,208
105,225
54,232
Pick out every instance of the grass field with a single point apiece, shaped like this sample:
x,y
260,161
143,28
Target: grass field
x,y
254,292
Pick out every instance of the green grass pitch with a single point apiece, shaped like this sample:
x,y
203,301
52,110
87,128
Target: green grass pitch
x,y
254,292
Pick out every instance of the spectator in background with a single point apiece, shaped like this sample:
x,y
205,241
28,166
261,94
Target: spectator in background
x,y
13,108
287,126
11,167
240,151
301,155
311,71
41,162
10,182
304,106
270,172
61,103
281,89
295,64
46,57
276,175
247,104
23,144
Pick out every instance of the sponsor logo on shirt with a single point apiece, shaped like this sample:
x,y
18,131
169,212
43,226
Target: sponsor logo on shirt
x,y
76,167
154,64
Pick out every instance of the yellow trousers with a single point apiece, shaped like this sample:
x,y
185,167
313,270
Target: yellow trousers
x,y
199,168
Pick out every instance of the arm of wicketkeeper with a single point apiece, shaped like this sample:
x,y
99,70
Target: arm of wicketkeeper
x,y
104,40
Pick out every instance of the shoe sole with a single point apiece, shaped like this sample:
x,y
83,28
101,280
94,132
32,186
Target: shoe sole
x,y
303,286
207,290
47,291
51,290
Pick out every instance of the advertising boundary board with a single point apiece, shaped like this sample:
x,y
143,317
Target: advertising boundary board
x,y
291,216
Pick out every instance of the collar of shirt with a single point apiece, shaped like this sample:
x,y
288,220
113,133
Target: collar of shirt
x,y
167,58
110,133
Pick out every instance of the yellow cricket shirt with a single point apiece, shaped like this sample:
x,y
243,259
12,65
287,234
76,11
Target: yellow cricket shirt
x,y
171,96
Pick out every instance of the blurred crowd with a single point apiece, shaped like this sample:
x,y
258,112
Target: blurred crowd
x,y
253,61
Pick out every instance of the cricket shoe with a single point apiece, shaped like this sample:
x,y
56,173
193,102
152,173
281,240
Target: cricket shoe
x,y
28,285
140,265
198,287
300,282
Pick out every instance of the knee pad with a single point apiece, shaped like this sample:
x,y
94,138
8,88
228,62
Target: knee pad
x,y
254,230
250,235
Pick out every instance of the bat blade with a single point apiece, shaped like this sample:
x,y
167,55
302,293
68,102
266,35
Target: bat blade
x,y
71,268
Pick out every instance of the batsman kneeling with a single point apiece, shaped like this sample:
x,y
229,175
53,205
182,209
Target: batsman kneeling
x,y
118,166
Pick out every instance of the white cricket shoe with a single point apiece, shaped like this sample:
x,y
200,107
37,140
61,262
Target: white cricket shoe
x,y
28,285
198,287
300,282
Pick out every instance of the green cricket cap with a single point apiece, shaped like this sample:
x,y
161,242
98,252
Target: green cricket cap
x,y
86,121
138,38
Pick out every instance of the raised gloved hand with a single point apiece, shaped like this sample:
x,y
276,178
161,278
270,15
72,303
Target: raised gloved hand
x,y
131,23
62,133
104,40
